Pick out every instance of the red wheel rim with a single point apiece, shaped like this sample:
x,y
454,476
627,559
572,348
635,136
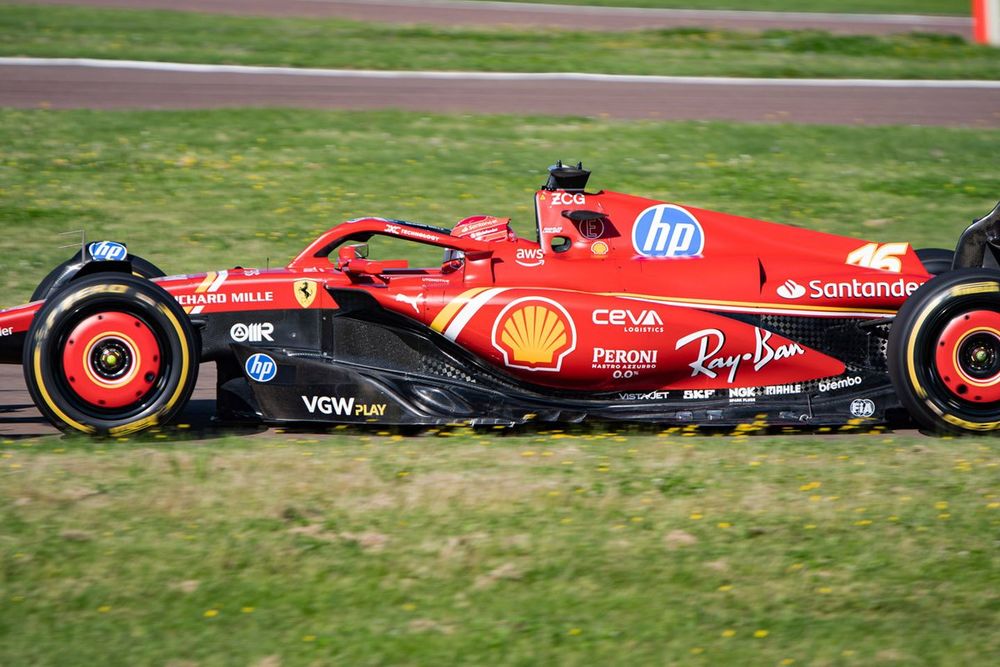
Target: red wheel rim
x,y
967,356
111,360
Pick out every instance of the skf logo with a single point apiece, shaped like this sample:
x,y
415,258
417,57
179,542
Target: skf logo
x,y
529,257
534,334
107,251
305,292
665,230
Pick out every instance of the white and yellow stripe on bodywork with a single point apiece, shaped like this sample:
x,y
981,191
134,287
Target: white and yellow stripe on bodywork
x,y
212,282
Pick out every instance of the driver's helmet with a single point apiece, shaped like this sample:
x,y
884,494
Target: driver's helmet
x,y
480,228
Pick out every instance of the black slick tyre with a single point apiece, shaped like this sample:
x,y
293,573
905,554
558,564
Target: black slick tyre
x,y
110,355
936,260
141,268
944,352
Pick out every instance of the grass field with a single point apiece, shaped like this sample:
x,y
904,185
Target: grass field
x,y
184,37
956,7
575,548
547,548
210,189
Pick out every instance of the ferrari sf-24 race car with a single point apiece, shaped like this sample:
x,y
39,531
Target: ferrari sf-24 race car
x,y
622,308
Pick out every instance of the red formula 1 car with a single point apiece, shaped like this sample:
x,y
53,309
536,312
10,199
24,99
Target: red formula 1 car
x,y
623,308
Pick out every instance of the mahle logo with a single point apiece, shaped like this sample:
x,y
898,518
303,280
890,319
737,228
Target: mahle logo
x,y
534,334
666,230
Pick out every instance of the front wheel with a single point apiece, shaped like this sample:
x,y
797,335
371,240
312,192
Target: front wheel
x,y
944,352
110,355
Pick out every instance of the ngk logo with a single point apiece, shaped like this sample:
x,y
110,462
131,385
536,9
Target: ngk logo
x,y
255,332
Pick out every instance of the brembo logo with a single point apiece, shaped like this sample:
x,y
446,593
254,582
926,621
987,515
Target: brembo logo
x,y
254,332
643,321
534,334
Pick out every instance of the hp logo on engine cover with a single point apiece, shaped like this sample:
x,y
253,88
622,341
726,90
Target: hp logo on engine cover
x,y
666,230
261,368
107,251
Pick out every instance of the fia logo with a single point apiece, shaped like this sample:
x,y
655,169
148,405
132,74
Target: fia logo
x,y
666,230
261,367
107,251
862,408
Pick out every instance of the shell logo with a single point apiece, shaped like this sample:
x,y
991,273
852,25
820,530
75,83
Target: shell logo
x,y
534,334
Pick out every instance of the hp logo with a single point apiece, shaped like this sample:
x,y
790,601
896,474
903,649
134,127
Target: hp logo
x,y
107,251
261,368
665,230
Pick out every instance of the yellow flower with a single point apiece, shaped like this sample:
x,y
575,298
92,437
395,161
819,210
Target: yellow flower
x,y
211,613
941,505
788,661
104,608
863,522
727,633
824,590
409,606
697,650
993,506
695,516
724,524
247,610
760,634
309,638
573,632
725,588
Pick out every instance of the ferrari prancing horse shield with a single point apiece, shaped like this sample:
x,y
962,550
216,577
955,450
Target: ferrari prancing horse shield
x,y
305,292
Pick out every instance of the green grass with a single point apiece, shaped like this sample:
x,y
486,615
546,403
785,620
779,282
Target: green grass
x,y
200,190
956,7
553,548
185,37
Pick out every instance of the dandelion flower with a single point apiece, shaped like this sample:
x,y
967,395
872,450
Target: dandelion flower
x,y
211,613
760,634
727,633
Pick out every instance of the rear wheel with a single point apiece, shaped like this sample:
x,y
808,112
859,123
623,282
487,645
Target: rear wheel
x,y
944,352
110,355
936,260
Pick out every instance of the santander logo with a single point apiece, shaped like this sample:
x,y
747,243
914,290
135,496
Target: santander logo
x,y
791,290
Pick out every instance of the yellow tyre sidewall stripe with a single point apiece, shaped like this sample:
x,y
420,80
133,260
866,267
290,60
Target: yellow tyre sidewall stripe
x,y
137,425
984,287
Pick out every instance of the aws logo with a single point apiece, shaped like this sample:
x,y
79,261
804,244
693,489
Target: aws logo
x,y
534,334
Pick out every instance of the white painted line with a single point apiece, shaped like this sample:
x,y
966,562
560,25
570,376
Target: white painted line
x,y
654,12
498,76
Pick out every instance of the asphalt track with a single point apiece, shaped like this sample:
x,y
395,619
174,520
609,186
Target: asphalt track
x,y
112,85
541,16
19,418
